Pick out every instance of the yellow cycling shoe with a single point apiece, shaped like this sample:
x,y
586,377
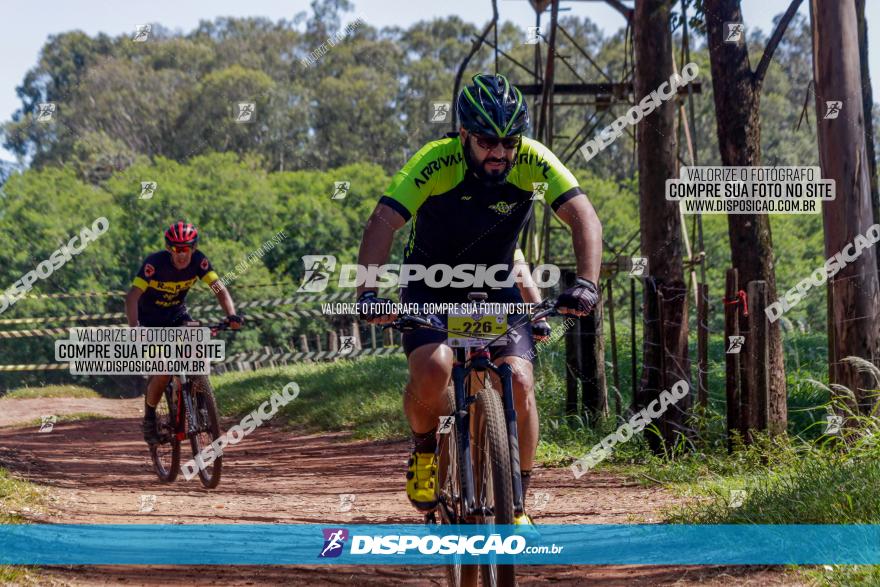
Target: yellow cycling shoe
x,y
421,481
523,525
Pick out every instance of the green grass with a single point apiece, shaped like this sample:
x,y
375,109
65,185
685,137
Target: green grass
x,y
51,391
364,396
15,496
62,418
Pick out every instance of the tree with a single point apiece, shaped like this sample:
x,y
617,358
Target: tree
x,y
868,105
665,347
853,311
737,91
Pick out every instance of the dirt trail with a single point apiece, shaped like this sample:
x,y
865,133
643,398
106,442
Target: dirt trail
x,y
99,472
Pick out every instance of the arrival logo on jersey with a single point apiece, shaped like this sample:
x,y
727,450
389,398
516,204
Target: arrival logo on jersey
x,y
204,264
532,159
429,169
149,270
502,208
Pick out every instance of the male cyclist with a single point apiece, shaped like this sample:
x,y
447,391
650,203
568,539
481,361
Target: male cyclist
x,y
157,295
470,195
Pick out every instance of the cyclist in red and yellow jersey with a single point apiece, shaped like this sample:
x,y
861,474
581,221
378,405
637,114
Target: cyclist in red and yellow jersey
x,y
157,295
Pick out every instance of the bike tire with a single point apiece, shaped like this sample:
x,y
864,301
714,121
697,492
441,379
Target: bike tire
x,y
493,476
208,428
166,454
450,507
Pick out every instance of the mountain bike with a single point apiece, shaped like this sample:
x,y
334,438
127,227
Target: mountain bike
x,y
187,410
482,434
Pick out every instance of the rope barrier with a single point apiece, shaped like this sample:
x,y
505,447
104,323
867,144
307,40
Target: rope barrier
x,y
272,302
4,334
97,294
244,358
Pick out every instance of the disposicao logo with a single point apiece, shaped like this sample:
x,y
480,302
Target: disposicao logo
x,y
478,545
334,540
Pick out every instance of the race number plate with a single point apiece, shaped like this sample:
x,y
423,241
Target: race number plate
x,y
469,330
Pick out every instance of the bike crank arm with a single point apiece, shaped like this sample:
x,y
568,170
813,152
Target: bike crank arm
x,y
505,373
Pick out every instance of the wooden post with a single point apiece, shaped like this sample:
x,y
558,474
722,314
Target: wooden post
x,y
731,361
594,392
632,341
333,342
388,337
661,321
703,345
319,343
572,357
372,336
268,351
759,349
356,333
614,364
304,343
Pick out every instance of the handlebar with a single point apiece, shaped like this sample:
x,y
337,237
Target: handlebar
x,y
408,322
215,328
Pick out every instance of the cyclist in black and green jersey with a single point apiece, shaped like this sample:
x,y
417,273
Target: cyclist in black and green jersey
x,y
470,195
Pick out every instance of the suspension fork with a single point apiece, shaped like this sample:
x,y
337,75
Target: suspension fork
x,y
191,423
462,421
505,374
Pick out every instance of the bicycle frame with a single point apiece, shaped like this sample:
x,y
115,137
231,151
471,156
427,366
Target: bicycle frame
x,y
478,359
185,398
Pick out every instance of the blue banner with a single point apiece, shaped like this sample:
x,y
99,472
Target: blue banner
x,y
278,544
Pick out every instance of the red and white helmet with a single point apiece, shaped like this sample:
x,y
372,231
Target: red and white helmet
x,y
181,233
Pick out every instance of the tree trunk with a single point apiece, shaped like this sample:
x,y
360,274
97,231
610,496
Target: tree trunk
x,y
844,158
868,106
737,114
665,344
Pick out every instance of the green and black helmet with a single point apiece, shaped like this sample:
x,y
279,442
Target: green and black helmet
x,y
493,107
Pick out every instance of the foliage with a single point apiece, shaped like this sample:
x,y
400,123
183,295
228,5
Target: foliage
x,y
51,391
355,115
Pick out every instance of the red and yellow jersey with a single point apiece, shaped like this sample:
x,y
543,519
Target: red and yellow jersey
x,y
165,286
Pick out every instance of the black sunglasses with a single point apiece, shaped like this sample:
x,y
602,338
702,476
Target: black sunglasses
x,y
490,143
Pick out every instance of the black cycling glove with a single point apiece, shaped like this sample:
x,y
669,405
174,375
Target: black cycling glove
x,y
582,297
235,319
371,308
541,330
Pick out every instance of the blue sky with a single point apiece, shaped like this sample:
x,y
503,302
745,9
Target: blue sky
x,y
22,35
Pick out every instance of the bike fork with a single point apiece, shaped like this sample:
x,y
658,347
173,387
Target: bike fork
x,y
505,373
462,421
192,427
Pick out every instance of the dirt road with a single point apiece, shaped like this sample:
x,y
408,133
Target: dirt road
x,y
99,472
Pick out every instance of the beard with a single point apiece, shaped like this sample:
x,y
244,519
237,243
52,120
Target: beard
x,y
488,178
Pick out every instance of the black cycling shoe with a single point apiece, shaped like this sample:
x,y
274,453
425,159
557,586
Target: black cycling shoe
x,y
151,435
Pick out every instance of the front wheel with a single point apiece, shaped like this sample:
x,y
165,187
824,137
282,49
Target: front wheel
x,y
166,454
207,429
493,489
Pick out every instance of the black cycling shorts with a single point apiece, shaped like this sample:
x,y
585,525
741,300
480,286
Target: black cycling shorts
x,y
523,347
167,321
